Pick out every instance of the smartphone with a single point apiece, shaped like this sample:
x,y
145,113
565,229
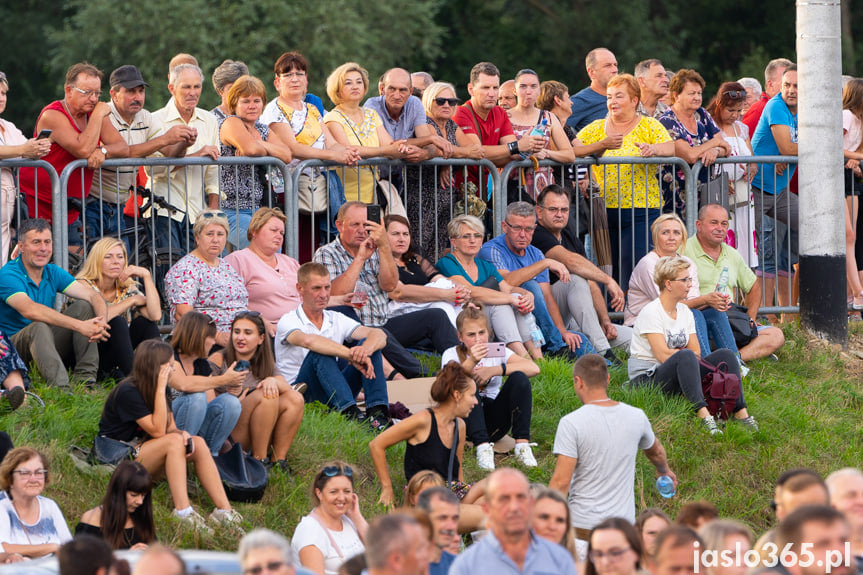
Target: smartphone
x,y
190,446
373,213
242,365
496,349
44,134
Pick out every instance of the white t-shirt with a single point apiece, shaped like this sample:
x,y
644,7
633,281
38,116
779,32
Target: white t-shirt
x,y
49,528
653,319
289,358
495,383
852,131
605,440
310,532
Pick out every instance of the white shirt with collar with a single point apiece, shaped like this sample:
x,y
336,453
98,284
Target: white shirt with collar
x,y
289,358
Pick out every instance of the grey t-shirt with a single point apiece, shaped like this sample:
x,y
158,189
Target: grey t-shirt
x,y
605,440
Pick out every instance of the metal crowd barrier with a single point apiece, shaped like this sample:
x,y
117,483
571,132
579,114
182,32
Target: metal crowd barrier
x,y
15,165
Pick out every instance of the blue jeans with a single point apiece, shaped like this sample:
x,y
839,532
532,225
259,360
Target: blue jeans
x,y
553,340
105,220
713,324
170,230
212,420
335,382
239,222
629,232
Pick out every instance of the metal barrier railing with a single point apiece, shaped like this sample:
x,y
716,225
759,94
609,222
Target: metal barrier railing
x,y
58,230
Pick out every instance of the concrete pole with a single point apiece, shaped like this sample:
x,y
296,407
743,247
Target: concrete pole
x,y
821,180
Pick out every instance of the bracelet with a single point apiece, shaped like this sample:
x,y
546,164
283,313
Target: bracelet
x,y
512,148
502,369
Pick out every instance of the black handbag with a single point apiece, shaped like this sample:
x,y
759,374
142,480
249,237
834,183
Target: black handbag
x,y
244,477
107,451
742,326
714,190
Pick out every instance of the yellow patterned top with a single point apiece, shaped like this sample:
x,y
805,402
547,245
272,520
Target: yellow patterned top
x,y
359,182
619,183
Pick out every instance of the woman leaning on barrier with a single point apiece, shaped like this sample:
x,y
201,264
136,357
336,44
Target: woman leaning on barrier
x,y
242,134
623,133
431,190
13,144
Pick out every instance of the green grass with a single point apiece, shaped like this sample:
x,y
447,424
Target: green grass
x,y
808,406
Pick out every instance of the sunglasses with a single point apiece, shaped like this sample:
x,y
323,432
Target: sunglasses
x,y
247,313
272,566
334,470
734,94
450,101
211,215
2,75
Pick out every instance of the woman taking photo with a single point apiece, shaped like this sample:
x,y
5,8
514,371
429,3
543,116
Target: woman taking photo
x,y
107,271
613,549
335,529
527,118
696,136
626,186
242,134
430,192
353,125
125,517
30,525
140,404
202,281
271,409
430,434
664,350
487,286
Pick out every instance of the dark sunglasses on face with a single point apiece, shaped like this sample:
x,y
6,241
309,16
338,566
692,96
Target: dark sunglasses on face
x,y
450,101
334,470
247,313
734,94
210,215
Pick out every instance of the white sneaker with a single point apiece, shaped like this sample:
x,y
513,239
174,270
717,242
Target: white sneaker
x,y
193,520
744,371
524,454
485,456
228,518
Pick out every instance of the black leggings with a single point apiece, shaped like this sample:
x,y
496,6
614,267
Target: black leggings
x,y
491,419
681,374
118,351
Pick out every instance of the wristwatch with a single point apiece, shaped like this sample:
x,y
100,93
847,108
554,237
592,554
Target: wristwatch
x,y
104,151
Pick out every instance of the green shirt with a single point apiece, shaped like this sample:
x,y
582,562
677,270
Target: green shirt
x,y
739,274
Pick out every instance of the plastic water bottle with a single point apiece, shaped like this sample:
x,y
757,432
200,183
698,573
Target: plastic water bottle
x,y
665,486
535,332
722,284
540,130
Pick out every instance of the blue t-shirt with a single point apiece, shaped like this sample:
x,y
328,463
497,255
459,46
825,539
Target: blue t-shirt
x,y
316,102
442,566
776,113
450,267
14,279
587,106
502,258
413,115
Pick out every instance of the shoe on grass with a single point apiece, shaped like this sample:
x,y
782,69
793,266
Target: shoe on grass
x,y
192,520
524,454
485,456
227,518
710,425
748,422
15,397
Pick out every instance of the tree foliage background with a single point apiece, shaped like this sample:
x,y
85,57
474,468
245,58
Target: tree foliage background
x,y
722,40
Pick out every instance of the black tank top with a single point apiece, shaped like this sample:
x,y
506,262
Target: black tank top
x,y
430,454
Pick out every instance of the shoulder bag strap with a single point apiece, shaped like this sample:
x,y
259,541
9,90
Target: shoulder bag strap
x,y
314,516
449,477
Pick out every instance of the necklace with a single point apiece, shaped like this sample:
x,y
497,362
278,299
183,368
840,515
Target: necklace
x,y
600,400
71,117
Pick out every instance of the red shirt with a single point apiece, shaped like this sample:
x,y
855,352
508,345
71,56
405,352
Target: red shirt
x,y
492,129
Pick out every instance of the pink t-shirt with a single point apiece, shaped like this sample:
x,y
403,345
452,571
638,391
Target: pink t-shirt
x,y
852,131
643,290
272,291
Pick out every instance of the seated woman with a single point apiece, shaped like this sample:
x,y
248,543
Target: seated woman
x,y
428,432
271,409
335,529
665,351
551,519
191,390
485,285
202,281
613,549
420,284
241,134
502,405
107,271
362,128
669,238
30,525
125,517
140,404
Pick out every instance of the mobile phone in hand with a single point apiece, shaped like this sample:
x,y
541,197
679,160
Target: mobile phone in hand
x,y
44,134
496,349
190,446
242,365
373,213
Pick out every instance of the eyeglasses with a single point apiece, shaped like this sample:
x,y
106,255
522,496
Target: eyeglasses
x,y
450,101
686,280
88,93
247,313
289,75
734,94
611,554
258,569
520,229
28,473
469,237
334,470
211,215
562,211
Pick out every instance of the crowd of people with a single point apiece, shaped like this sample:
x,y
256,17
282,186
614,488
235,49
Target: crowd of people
x,y
256,334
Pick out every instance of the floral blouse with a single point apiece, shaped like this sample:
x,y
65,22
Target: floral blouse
x,y
673,179
359,183
242,185
218,292
628,185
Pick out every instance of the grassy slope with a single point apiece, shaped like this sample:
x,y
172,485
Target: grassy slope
x,y
807,406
